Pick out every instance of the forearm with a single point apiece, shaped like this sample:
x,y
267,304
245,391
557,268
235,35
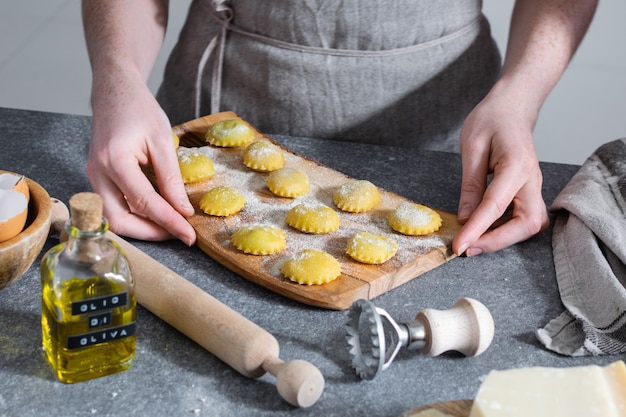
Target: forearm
x,y
123,37
543,38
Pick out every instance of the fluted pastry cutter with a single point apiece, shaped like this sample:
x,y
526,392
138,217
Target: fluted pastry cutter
x,y
375,338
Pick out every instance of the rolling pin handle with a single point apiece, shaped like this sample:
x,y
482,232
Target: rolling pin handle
x,y
298,382
60,216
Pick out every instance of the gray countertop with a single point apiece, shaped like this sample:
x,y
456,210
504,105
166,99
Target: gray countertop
x,y
173,376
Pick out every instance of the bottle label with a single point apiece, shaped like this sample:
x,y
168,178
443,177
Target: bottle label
x,y
99,304
100,316
100,320
101,336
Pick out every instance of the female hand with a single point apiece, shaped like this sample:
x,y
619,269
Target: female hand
x,y
497,140
129,131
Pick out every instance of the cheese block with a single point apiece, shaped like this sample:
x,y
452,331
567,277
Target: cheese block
x,y
576,391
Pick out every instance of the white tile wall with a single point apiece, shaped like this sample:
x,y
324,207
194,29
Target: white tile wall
x,y
44,66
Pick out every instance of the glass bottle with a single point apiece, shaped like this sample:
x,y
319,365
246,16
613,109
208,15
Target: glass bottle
x,y
88,299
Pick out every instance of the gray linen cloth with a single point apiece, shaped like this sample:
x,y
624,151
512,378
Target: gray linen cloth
x,y
589,244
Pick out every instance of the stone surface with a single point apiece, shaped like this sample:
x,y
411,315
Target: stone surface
x,y
174,376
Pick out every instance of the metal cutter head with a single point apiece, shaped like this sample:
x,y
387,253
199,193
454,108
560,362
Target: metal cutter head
x,y
373,336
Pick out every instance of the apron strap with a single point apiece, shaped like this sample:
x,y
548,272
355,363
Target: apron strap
x,y
216,44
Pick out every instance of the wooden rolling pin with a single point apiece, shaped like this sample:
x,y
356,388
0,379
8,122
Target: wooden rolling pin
x,y
243,345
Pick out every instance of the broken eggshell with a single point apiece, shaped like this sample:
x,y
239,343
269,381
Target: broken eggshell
x,y
19,252
14,197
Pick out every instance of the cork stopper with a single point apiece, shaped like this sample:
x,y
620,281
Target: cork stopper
x,y
86,211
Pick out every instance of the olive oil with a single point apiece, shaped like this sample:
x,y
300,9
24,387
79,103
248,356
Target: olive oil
x,y
88,299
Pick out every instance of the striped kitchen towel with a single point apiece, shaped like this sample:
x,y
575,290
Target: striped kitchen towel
x,y
589,244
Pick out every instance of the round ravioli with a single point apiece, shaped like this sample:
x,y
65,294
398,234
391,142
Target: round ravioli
x,y
195,167
288,182
371,248
311,267
229,133
414,219
313,218
356,196
259,239
263,156
222,201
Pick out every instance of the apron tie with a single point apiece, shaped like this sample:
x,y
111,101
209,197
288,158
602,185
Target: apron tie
x,y
216,44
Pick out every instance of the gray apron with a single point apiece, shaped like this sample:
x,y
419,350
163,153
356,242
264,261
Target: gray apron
x,y
397,72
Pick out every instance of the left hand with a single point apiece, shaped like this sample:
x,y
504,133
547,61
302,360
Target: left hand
x,y
497,139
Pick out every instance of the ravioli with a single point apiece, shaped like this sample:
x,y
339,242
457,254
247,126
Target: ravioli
x,y
313,218
222,201
356,196
229,133
195,166
259,239
371,248
414,219
263,156
311,267
288,182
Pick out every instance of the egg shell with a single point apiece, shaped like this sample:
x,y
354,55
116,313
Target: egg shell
x,y
14,182
13,213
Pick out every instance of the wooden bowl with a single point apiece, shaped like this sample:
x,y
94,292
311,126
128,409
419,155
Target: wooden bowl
x,y
18,253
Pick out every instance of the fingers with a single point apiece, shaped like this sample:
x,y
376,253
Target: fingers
x,y
475,144
121,220
529,216
152,214
473,185
492,206
132,206
169,180
522,225
139,212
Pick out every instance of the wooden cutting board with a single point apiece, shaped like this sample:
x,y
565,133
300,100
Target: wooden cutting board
x,y
415,255
459,408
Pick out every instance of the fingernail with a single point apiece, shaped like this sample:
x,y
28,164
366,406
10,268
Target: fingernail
x,y
473,251
464,212
188,241
186,205
462,249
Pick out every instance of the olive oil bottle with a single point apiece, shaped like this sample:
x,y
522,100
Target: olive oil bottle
x,y
88,299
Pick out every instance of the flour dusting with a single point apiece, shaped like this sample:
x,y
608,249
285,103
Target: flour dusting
x,y
262,207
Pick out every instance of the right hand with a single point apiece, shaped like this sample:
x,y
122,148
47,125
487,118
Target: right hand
x,y
497,140
131,130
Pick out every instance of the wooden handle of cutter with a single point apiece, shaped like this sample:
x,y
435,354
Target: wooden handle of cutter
x,y
467,328
240,343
